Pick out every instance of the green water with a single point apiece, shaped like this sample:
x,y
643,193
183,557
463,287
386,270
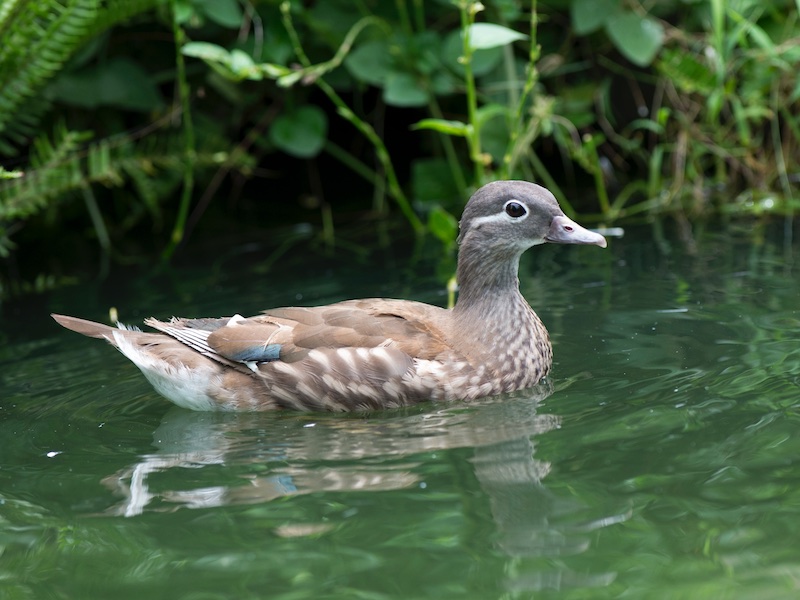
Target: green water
x,y
662,462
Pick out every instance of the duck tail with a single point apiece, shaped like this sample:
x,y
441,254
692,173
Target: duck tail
x,y
87,328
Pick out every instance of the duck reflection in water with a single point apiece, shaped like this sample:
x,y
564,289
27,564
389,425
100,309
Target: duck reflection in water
x,y
304,454
317,453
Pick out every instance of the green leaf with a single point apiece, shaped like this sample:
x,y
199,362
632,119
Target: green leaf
x,y
183,10
242,64
489,35
590,15
637,38
714,103
689,74
273,71
10,174
490,111
370,62
227,13
444,126
206,51
795,91
432,182
300,133
741,121
443,225
234,65
646,125
483,61
402,89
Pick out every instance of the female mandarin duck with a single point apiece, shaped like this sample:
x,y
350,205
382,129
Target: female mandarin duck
x,y
376,353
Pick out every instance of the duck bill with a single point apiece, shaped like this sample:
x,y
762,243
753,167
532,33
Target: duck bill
x,y
564,230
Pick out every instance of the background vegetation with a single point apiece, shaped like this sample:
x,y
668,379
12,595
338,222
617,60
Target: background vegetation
x,y
133,122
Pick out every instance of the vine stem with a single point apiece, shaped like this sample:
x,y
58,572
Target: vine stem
x,y
395,190
514,147
188,139
468,10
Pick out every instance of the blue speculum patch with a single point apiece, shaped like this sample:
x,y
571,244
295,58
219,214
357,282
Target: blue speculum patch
x,y
259,353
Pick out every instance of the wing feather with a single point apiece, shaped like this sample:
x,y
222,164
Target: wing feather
x,y
290,334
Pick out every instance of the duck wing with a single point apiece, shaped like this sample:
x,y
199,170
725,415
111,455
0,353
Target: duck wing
x,y
290,334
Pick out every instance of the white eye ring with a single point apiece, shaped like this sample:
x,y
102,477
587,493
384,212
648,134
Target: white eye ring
x,y
515,210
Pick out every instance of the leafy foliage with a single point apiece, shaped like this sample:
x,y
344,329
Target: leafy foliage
x,y
494,88
68,163
637,37
666,108
55,56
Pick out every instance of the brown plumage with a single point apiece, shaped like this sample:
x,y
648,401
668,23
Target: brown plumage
x,y
374,353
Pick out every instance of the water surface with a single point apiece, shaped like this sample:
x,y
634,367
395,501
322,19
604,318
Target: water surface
x,y
660,460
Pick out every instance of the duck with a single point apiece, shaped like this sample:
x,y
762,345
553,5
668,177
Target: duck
x,y
375,353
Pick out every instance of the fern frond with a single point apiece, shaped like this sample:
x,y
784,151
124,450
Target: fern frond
x,y
66,163
24,126
52,172
39,40
7,11
39,36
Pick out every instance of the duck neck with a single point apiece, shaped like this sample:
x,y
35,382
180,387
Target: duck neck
x,y
495,325
487,280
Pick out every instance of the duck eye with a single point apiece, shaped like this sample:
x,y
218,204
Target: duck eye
x,y
515,210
